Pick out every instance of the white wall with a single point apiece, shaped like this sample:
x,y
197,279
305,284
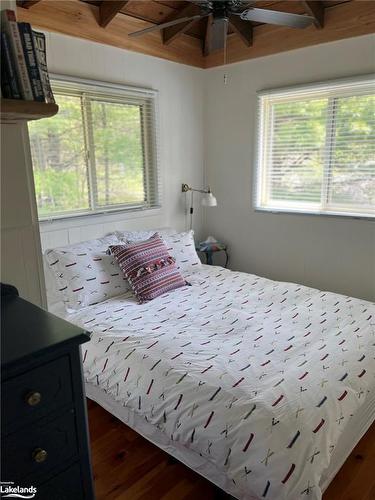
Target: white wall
x,y
332,253
181,131
21,263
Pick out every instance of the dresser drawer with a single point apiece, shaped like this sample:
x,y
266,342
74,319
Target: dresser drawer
x,y
36,392
37,449
65,486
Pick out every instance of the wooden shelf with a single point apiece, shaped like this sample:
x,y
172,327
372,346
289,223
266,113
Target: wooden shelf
x,y
15,110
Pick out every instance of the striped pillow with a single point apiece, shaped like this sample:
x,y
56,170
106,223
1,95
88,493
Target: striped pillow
x,y
149,268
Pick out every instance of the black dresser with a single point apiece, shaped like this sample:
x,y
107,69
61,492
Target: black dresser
x,y
43,407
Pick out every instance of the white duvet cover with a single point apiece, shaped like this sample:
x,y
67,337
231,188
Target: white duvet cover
x,y
256,376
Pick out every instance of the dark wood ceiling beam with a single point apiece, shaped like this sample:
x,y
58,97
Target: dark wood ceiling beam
x,y
26,4
169,34
243,28
315,8
108,9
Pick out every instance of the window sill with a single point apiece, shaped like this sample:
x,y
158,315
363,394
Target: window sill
x,y
291,211
69,221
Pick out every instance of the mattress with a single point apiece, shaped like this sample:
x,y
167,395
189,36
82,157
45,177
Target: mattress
x,y
260,383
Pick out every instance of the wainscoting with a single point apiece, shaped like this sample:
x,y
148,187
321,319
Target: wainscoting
x,y
69,231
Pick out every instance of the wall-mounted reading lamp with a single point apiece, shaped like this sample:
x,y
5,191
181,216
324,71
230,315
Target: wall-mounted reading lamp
x,y
208,200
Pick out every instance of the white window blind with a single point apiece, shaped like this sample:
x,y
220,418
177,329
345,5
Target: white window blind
x,y
316,149
99,153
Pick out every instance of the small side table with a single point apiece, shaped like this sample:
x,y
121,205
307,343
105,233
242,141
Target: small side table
x,y
209,251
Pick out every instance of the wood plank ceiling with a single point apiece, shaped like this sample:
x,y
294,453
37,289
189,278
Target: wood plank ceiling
x,y
110,22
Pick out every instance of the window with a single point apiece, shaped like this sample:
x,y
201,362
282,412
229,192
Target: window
x,y
316,150
98,154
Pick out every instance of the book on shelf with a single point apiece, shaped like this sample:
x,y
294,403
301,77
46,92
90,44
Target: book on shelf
x,y
41,54
24,72
33,68
9,82
10,27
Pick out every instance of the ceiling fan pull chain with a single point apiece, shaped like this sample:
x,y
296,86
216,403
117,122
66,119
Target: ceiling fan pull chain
x,y
225,59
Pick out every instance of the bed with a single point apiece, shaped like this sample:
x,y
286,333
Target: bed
x,y
262,387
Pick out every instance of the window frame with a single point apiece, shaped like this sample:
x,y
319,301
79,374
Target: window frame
x,y
328,89
116,93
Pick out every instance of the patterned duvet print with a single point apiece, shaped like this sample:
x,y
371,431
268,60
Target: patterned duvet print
x,y
259,377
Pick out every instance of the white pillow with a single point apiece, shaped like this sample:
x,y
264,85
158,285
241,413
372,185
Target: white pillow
x,y
85,274
55,299
182,247
133,236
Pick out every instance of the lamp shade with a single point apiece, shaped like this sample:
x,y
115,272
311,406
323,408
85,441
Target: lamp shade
x,y
209,200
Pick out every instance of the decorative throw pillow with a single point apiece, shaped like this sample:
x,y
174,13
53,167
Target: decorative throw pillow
x,y
85,274
149,268
182,247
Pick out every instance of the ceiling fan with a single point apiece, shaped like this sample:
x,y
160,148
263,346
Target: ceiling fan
x,y
220,13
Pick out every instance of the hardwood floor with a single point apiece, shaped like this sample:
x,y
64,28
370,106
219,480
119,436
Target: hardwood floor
x,y
128,467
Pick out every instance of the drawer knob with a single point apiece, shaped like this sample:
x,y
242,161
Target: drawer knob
x,y
39,455
33,398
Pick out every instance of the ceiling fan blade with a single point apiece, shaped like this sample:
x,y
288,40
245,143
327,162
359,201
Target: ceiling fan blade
x,y
276,17
166,25
219,31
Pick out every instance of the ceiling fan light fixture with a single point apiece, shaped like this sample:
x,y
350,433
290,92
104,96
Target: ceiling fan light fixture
x,y
220,11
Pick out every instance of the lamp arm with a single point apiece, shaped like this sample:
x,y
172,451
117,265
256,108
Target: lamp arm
x,y
186,188
204,191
